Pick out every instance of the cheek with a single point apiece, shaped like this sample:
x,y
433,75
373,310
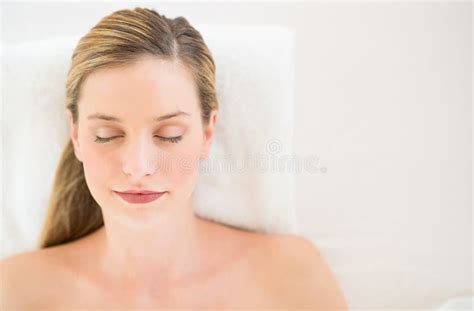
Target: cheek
x,y
98,168
181,167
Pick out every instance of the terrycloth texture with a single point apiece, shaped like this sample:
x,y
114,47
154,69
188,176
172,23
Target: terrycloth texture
x,y
465,303
255,93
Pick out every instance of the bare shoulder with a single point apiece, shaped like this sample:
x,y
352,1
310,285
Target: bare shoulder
x,y
28,279
298,275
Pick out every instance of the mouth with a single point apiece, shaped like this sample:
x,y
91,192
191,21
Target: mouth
x,y
139,196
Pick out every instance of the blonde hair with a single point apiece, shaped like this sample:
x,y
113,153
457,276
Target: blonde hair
x,y
121,38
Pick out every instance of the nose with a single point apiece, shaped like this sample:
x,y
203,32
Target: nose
x,y
139,159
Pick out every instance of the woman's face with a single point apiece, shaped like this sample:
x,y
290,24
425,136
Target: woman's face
x,y
140,127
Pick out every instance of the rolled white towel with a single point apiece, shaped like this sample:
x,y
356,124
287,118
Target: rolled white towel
x,y
458,304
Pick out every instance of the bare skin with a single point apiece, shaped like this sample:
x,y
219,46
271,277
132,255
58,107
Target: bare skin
x,y
247,270
222,268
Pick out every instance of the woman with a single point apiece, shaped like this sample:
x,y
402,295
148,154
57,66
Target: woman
x,y
120,229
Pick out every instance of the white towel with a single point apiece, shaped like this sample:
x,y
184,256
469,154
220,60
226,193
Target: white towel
x,y
255,93
461,303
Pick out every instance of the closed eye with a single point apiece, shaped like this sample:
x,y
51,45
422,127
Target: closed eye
x,y
102,140
175,139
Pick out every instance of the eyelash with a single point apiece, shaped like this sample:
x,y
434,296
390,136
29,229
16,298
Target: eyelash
x,y
102,140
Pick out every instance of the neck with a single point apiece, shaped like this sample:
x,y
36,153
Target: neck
x,y
142,256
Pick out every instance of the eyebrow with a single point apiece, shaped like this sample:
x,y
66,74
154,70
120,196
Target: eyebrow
x,y
100,116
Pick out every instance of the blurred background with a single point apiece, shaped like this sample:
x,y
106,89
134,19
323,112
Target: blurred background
x,y
383,100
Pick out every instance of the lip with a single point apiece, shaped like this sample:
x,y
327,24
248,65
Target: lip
x,y
140,191
139,196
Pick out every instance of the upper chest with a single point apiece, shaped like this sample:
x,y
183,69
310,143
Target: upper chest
x,y
241,281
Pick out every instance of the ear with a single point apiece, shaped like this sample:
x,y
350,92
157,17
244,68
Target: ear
x,y
73,132
208,135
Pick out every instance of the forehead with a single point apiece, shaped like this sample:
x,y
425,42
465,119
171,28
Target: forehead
x,y
151,85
